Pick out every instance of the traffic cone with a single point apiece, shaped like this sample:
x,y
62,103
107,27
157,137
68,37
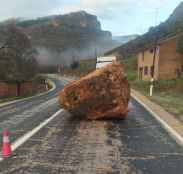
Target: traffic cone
x,y
6,150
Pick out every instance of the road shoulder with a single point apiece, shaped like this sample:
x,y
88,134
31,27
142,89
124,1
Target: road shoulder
x,y
167,120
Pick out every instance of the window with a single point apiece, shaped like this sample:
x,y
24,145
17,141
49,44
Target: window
x,y
146,70
151,50
178,72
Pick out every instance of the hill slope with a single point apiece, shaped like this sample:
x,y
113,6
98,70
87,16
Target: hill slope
x,y
61,38
172,26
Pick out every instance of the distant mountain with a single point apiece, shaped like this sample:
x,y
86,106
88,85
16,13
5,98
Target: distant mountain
x,y
61,38
125,39
178,12
171,27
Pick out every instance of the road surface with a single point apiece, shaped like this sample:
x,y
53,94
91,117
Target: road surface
x,y
69,145
23,116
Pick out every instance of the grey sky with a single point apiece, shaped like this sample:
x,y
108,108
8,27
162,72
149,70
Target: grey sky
x,y
119,16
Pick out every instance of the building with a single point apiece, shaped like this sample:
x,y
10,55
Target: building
x,y
103,61
166,62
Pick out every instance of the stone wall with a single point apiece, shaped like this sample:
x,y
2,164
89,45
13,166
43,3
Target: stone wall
x,y
10,89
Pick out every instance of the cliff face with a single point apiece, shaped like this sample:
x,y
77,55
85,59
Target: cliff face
x,y
59,32
61,38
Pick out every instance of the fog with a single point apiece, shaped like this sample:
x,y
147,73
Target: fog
x,y
50,57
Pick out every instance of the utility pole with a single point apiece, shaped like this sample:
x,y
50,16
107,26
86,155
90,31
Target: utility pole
x,y
156,16
154,56
95,53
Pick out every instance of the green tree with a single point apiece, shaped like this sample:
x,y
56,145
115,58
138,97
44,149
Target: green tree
x,y
17,58
74,64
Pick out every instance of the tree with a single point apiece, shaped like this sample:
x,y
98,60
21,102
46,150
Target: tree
x,y
74,64
17,58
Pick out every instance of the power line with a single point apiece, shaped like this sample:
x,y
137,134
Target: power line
x,y
156,16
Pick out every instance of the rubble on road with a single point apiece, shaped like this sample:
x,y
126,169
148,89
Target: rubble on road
x,y
102,94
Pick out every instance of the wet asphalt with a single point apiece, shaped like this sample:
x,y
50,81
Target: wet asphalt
x,y
23,116
71,145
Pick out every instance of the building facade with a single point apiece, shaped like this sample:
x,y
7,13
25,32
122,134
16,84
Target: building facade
x,y
166,62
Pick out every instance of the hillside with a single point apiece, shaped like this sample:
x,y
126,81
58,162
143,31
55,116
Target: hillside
x,y
61,38
58,32
125,39
172,26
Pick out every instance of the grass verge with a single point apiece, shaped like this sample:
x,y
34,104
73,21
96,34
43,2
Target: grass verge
x,y
167,93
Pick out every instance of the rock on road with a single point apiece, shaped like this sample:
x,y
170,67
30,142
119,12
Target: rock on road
x,y
69,145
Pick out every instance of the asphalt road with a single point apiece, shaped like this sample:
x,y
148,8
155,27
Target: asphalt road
x,y
23,116
69,145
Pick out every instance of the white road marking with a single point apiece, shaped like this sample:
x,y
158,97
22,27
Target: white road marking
x,y
28,135
177,137
18,118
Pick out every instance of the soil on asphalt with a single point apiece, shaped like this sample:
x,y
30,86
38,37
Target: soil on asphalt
x,y
69,145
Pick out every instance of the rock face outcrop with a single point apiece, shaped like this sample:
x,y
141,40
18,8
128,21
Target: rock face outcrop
x,y
62,32
102,94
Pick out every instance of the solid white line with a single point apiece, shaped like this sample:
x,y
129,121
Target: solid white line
x,y
176,136
28,135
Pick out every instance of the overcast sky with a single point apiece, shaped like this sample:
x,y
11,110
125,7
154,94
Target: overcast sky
x,y
121,17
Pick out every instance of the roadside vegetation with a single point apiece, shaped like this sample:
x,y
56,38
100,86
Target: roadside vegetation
x,y
167,93
19,69
80,68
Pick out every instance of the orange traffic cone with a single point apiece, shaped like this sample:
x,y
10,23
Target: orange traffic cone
x,y
6,150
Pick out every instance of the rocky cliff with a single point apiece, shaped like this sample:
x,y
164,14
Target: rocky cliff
x,y
74,30
61,38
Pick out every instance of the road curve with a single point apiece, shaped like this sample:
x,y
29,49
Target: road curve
x,y
23,116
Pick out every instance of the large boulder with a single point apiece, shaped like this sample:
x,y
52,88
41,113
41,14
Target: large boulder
x,y
102,94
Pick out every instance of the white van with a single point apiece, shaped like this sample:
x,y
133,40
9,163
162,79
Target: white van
x,y
103,61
